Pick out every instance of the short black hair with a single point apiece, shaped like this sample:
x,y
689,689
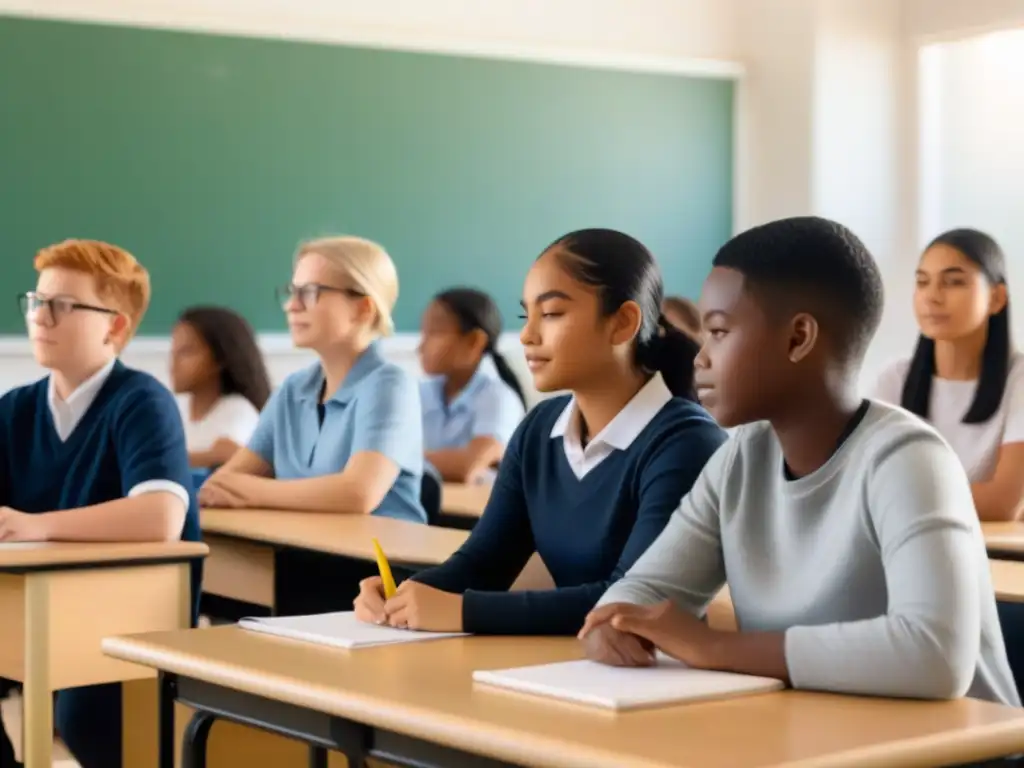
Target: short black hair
x,y
812,264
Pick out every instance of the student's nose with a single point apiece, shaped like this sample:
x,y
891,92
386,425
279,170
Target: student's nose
x,y
528,336
702,361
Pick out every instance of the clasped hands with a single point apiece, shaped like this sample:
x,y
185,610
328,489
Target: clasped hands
x,y
414,606
229,490
627,635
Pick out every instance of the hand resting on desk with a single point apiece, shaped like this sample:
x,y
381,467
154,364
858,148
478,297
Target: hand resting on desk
x,y
21,526
607,645
225,490
414,606
625,635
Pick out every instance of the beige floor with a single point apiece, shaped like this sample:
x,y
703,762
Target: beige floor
x,y
11,711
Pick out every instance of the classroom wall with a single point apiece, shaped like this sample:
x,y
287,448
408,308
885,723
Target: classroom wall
x,y
974,159
821,113
647,29
931,20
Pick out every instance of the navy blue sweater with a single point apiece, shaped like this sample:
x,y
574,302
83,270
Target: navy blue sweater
x,y
588,530
131,433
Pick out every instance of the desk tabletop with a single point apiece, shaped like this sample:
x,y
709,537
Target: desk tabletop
x,y
1008,580
461,500
20,557
337,534
425,690
1004,537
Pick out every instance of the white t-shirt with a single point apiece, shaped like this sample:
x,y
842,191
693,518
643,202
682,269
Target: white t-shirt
x,y
232,417
977,445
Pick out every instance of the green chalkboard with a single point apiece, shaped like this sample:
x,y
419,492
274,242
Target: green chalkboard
x,y
210,157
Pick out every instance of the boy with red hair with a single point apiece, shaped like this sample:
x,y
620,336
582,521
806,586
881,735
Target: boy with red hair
x,y
93,452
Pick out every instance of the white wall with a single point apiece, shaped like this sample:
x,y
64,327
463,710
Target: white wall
x,y
931,20
974,162
640,29
822,94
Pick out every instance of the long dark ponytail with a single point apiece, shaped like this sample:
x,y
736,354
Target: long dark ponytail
x,y
476,311
995,359
622,269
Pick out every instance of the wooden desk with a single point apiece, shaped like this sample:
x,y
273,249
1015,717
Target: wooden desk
x,y
418,702
1004,541
1008,580
462,505
59,600
248,547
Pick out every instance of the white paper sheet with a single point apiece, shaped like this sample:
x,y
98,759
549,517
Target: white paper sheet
x,y
339,630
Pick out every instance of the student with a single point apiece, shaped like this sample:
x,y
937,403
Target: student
x,y
93,452
965,376
472,401
215,361
684,315
588,479
345,434
855,561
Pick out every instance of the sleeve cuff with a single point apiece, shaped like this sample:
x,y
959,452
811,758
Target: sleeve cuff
x,y
164,486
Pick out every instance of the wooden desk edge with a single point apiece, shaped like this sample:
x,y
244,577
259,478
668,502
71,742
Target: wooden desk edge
x,y
979,742
361,556
46,559
493,740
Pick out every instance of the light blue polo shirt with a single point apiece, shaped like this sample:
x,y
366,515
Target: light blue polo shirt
x,y
486,407
377,408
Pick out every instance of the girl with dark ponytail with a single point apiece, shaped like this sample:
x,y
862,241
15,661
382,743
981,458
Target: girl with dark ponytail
x,y
472,401
590,478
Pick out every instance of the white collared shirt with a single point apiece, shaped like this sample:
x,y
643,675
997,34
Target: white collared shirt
x,y
68,414
620,432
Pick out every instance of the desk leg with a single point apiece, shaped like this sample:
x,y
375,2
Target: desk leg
x,y
37,741
165,720
193,748
318,757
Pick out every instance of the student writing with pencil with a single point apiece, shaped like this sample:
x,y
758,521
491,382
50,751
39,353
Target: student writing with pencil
x,y
589,479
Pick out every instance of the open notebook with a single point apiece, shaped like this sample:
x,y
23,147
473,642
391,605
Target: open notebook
x,y
340,630
620,688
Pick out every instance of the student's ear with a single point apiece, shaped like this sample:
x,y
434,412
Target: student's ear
x,y
478,342
626,323
997,303
803,335
366,311
118,332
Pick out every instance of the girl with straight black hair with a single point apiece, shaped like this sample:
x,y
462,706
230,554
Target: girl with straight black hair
x,y
965,376
591,477
472,401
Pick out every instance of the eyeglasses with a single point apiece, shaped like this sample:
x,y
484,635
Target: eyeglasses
x,y
308,294
55,308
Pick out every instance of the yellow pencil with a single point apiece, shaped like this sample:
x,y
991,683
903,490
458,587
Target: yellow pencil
x,y
385,571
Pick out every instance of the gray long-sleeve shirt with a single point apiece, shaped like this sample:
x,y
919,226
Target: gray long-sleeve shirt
x,y
874,566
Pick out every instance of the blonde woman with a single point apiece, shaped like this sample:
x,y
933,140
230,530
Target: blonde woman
x,y
345,434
